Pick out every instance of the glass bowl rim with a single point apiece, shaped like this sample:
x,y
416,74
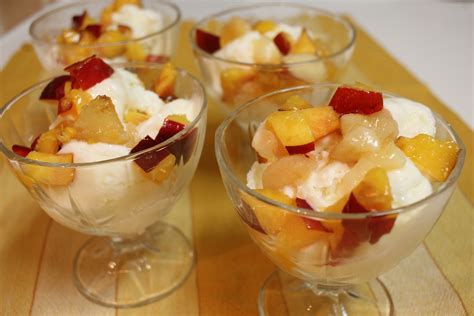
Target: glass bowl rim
x,y
347,25
11,156
226,171
36,37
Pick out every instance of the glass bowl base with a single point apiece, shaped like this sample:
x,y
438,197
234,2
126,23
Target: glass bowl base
x,y
282,294
133,272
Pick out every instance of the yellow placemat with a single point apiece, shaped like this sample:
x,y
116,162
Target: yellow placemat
x,y
36,253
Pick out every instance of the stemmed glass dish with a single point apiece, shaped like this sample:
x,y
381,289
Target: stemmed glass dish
x,y
247,80
157,46
134,258
318,271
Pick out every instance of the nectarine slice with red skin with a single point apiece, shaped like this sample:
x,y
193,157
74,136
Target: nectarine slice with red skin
x,y
169,128
208,42
54,90
21,150
49,175
290,128
311,223
89,72
283,41
94,29
349,100
322,120
149,160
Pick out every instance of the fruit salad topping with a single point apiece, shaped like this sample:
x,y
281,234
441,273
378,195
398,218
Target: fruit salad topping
x,y
100,107
346,157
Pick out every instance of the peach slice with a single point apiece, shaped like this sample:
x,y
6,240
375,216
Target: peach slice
x,y
295,102
373,192
232,80
292,130
54,90
235,27
135,51
135,117
349,100
163,169
98,122
47,175
303,45
270,217
322,120
264,26
111,37
164,85
435,158
89,72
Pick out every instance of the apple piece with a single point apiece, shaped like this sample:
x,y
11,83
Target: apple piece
x,y
21,150
135,117
373,192
292,130
293,103
349,100
264,26
164,85
98,122
89,72
54,90
232,80
208,42
49,175
235,27
150,58
170,127
303,45
435,158
266,52
284,42
287,171
322,120
163,169
150,159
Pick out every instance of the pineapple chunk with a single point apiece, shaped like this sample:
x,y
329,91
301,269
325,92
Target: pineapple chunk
x,y
164,85
49,175
271,218
163,169
435,158
98,122
135,117
373,192
290,128
322,120
295,102
234,28
264,26
304,45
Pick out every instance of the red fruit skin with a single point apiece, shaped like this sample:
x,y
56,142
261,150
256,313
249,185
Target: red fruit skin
x,y
33,144
77,20
300,149
94,29
282,42
348,100
150,159
168,130
380,226
54,90
207,42
89,72
21,150
311,223
157,59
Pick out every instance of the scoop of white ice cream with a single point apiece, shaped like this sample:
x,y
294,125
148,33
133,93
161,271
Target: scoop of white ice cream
x,y
142,21
241,49
412,118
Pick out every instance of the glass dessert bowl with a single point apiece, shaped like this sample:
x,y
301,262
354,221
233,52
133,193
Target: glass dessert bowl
x,y
116,30
112,163
255,49
335,195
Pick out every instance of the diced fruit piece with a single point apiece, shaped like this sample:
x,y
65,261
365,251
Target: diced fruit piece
x,y
106,15
267,145
164,85
349,100
21,150
66,134
266,52
49,175
94,29
89,72
234,28
150,159
48,142
300,149
287,171
163,169
307,67
98,122
284,42
150,58
264,26
232,80
291,129
118,4
303,45
73,102
435,158
374,193
208,42
310,223
54,90
171,126
69,37
293,103
322,120
111,49
135,117
125,30
246,212
136,52
294,235
270,217
80,22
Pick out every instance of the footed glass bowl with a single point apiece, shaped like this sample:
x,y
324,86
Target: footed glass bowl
x,y
134,258
157,46
331,271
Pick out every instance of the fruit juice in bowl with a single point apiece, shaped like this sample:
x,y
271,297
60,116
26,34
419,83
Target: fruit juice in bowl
x,y
336,185
107,151
115,30
251,50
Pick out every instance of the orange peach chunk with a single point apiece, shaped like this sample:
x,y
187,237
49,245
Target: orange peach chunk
x,y
373,192
290,128
164,85
49,175
304,45
322,120
270,217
